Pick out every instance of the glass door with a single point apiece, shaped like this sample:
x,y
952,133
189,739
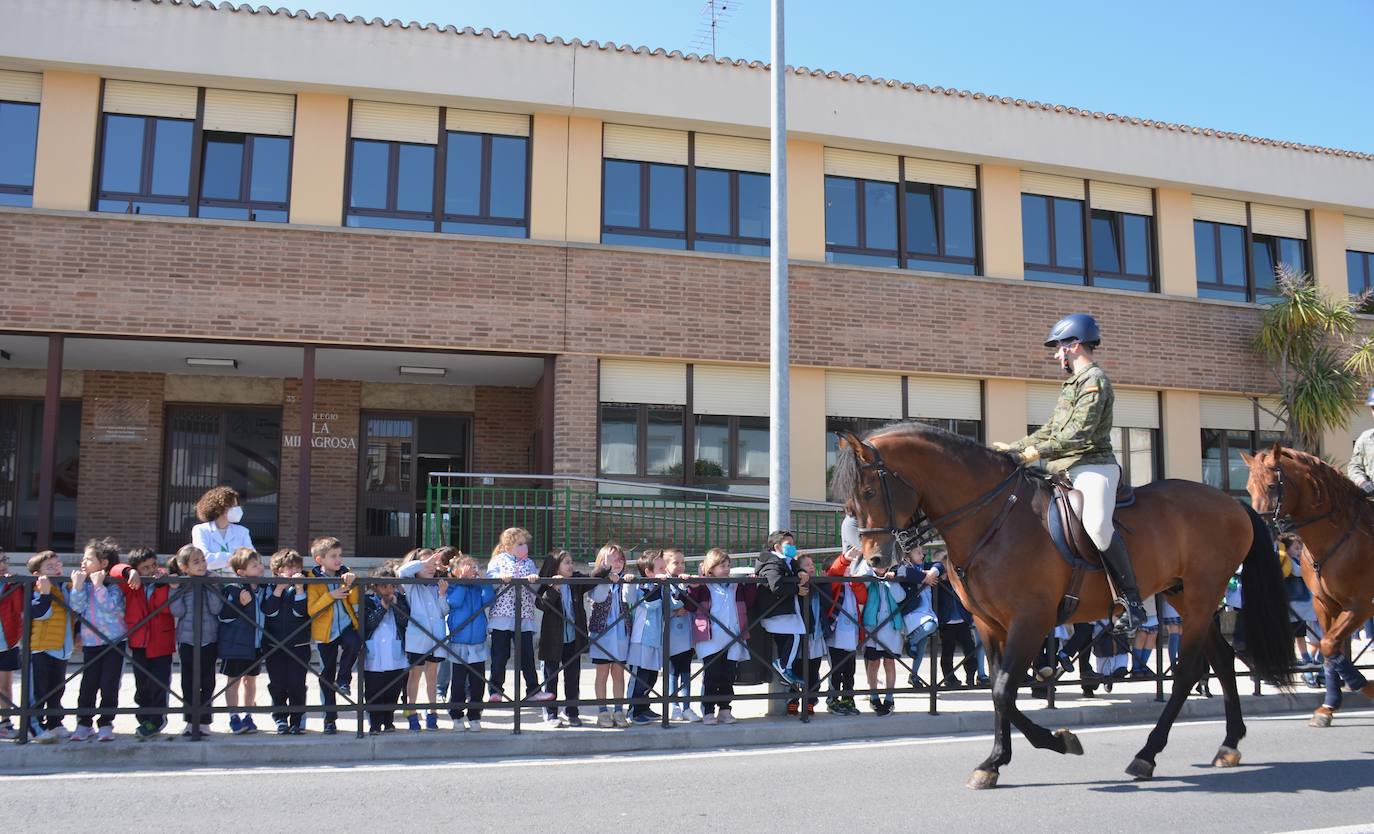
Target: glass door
x,y
399,453
21,435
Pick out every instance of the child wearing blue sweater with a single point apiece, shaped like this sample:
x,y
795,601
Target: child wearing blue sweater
x,y
425,634
467,643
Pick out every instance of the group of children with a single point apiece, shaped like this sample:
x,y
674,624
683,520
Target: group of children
x,y
426,642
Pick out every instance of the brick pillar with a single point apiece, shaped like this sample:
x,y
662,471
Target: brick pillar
x,y
121,458
575,415
503,431
334,462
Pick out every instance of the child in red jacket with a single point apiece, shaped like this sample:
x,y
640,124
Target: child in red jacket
x,y
152,636
11,621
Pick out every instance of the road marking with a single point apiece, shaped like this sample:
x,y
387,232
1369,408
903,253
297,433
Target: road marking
x,y
1363,828
618,758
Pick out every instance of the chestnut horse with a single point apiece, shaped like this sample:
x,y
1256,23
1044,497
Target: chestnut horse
x,y
1336,524
1186,540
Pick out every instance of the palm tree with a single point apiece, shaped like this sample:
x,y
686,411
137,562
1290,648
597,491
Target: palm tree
x,y
1319,363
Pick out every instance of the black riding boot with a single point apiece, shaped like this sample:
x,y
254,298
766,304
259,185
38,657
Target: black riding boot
x,y
1119,563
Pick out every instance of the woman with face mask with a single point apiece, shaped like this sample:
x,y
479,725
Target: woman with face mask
x,y
219,534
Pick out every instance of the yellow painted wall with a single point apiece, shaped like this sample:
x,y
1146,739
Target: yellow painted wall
x,y
805,202
1337,444
1004,410
1000,196
808,432
317,159
1181,420
1328,251
584,180
65,163
1177,258
549,178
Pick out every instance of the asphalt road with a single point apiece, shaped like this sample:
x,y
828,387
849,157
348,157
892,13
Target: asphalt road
x,y
1292,779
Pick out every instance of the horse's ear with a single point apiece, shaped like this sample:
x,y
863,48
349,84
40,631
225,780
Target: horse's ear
x,y
1276,450
850,440
1248,458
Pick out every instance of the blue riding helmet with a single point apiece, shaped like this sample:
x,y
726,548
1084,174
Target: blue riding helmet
x,y
1370,399
1082,327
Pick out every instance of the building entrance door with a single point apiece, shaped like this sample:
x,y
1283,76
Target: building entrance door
x,y
399,453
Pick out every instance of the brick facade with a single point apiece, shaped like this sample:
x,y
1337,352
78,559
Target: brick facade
x,y
119,485
333,471
575,417
503,430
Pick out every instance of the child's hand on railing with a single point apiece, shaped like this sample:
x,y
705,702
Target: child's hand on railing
x,y
532,578
78,577
349,578
443,587
97,578
245,597
43,585
135,580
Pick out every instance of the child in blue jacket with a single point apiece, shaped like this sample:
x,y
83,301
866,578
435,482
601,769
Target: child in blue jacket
x,y
241,623
467,642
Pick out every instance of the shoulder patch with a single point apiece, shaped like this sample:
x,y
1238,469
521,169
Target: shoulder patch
x,y
1090,389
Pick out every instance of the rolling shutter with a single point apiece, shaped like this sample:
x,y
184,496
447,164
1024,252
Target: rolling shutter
x,y
1278,220
271,114
21,86
863,395
1267,421
940,173
1359,233
629,381
135,98
860,165
1227,413
1050,185
730,390
1131,199
1135,409
949,399
731,153
480,121
392,122
644,144
1040,400
1218,210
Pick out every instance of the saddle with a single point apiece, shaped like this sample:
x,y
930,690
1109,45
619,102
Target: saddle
x,y
1062,513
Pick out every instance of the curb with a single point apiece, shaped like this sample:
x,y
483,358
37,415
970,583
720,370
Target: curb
x,y
315,750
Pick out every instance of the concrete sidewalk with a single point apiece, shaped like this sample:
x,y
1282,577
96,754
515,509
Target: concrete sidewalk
x,y
960,712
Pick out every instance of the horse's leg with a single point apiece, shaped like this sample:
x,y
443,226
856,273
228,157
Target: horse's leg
x,y
1196,625
1339,670
1223,660
1322,716
1015,654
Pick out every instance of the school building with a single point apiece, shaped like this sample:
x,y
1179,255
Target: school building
x,y
319,258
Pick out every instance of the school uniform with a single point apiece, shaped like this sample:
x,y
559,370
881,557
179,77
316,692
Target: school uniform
x,y
286,652
240,630
680,647
777,602
334,628
152,642
720,629
501,619
183,607
609,622
844,625
50,647
562,639
384,663
645,658
467,647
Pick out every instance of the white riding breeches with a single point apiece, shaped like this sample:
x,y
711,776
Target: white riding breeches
x,y
1098,483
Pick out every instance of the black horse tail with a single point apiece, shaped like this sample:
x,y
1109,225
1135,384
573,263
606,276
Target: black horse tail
x,y
1268,635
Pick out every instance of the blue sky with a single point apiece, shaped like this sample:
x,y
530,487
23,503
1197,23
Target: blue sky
x,y
1284,70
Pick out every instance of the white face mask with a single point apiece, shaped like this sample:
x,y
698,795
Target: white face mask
x,y
235,515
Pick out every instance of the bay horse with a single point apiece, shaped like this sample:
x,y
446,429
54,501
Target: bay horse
x,y
1186,540
1335,522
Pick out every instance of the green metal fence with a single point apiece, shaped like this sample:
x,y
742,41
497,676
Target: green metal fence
x,y
581,519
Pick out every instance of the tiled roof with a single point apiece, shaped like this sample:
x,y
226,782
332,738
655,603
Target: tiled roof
x,y
923,89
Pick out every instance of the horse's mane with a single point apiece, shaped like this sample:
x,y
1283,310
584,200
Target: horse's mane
x,y
844,478
1347,500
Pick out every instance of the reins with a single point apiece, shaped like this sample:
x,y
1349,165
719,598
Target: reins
x,y
1280,520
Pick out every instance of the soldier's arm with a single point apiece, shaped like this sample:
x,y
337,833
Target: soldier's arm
x,y
1355,470
1087,414
1036,439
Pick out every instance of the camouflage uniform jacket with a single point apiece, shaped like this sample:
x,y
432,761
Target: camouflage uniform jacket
x,y
1361,466
1080,430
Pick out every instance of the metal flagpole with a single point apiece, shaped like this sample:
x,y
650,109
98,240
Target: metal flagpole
x,y
779,463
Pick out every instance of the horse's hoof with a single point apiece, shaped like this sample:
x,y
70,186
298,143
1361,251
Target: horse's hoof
x,y
1043,674
981,780
1321,719
1368,690
1072,746
1140,769
1226,757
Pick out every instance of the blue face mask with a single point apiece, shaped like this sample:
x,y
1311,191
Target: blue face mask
x,y
789,551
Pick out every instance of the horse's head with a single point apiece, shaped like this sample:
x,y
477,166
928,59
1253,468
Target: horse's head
x,y
1273,488
884,501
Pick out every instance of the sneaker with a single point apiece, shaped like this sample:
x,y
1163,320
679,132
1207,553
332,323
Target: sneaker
x,y
603,719
235,725
792,681
298,730
62,733
641,718
45,737
330,728
574,721
709,719
882,708
414,721
432,721
7,731
676,714
83,733
106,734
542,696
205,730
495,698
248,725
460,725
875,704
186,733
833,705
619,718
146,732
1065,662
727,717
375,729
552,723
283,728
793,708
475,726
689,715
346,690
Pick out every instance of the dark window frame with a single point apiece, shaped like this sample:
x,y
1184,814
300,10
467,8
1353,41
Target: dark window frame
x,y
731,476
190,201
1051,224
938,193
734,238
1271,242
1258,438
11,188
641,441
1217,286
861,223
1150,281
245,200
644,230
1156,452
393,166
1365,279
414,502
485,218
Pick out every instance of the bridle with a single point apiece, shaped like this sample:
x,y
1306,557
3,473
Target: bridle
x,y
1278,519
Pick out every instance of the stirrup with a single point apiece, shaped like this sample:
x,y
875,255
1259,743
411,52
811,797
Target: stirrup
x,y
1131,619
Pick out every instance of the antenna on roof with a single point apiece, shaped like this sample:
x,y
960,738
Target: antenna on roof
x,y
714,15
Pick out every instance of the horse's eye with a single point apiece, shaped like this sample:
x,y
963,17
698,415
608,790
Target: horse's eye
x,y
868,493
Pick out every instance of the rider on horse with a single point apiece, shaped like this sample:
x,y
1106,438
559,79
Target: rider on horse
x,y
1077,441
1361,466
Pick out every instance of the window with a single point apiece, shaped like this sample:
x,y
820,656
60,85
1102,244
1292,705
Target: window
x,y
1222,466
21,431
245,177
730,449
860,221
1222,271
486,184
939,228
1122,250
1359,276
857,425
640,440
1052,239
1137,450
731,212
1267,252
398,453
145,165
18,147
644,204
391,186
